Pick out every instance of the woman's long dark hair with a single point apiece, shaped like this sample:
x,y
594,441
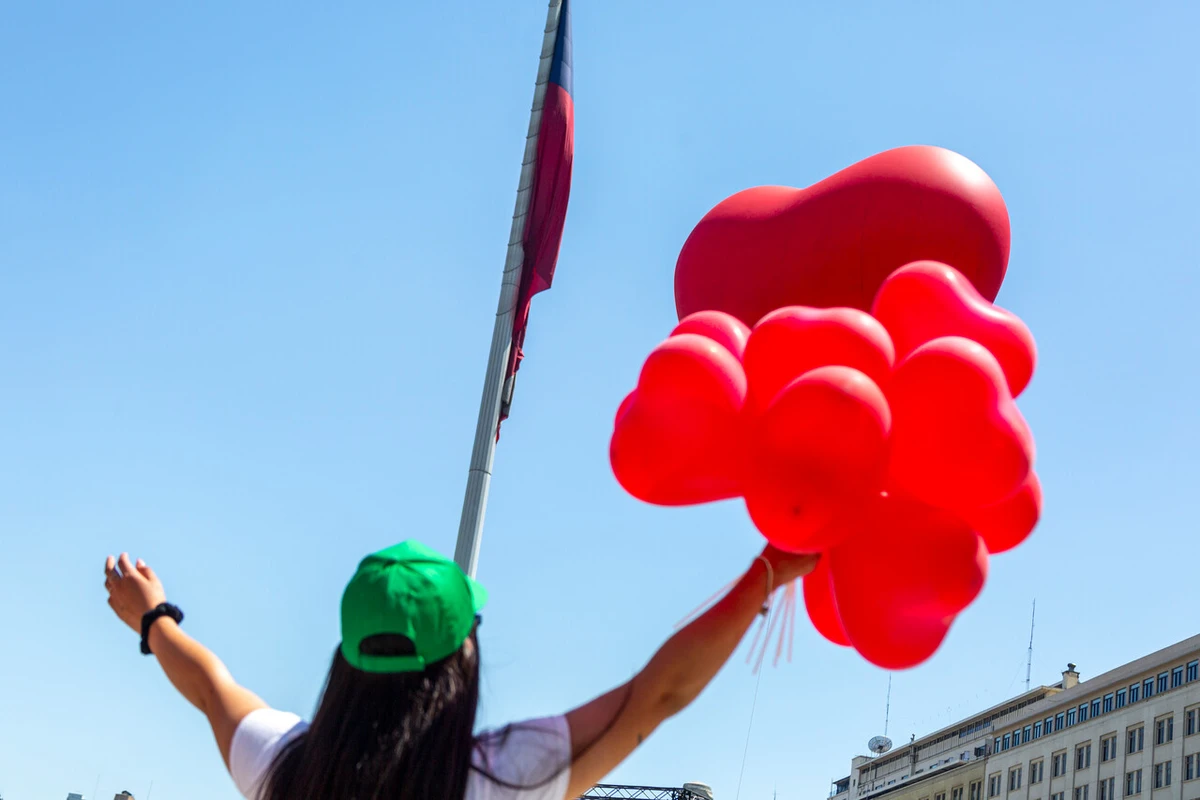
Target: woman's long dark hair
x,y
405,736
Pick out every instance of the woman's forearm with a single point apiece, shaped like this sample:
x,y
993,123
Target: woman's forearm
x,y
191,667
689,660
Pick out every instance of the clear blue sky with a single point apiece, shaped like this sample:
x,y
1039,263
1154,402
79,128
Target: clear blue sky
x,y
249,259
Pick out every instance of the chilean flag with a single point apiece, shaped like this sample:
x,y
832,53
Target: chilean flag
x,y
551,188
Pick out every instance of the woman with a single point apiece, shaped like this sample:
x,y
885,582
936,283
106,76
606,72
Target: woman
x,y
396,720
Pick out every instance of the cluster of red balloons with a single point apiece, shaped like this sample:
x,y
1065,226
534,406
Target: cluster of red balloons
x,y
888,441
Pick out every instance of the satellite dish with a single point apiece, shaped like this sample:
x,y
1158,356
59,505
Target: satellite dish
x,y
879,745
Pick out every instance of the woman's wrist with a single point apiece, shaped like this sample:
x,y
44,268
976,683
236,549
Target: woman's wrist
x,y
160,629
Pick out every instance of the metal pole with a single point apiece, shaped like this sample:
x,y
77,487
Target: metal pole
x,y
470,526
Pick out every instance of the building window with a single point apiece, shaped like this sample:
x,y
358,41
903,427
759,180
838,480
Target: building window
x,y
1083,756
1070,717
1108,789
1007,739
1058,721
1037,730
996,745
940,796
1037,769
956,793
1189,767
1081,792
1014,779
1049,725
1096,707
1134,692
1133,783
1177,677
1108,703
1162,775
1147,688
1193,671
1162,682
1027,734
1083,712
1060,765
1108,748
1190,726
994,786
1058,796
1120,698
1136,740
976,790
1164,730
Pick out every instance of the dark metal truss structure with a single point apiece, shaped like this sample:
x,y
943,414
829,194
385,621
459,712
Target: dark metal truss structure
x,y
606,792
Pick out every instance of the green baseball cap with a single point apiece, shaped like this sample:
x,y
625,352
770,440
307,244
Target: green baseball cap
x,y
413,591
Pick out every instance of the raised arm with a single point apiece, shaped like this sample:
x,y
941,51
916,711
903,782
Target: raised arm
x,y
134,589
606,730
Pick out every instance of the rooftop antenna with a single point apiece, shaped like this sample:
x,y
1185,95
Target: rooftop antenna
x,y
887,709
1029,658
881,744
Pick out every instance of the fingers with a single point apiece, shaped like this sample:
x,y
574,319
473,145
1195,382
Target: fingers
x,y
110,568
147,573
126,565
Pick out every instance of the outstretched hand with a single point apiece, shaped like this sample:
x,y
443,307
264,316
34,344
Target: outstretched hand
x,y
133,589
787,567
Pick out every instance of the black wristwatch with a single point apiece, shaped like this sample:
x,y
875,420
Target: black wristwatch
x,y
151,616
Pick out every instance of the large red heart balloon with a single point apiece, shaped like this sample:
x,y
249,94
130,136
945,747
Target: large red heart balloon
x,y
926,300
791,341
818,450
834,243
958,440
902,576
678,438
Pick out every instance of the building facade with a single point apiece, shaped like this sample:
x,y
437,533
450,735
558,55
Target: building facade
x,y
1133,732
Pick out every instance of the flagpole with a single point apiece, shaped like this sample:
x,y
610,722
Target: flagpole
x,y
483,453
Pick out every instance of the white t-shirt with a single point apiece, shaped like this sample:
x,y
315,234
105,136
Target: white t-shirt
x,y
528,755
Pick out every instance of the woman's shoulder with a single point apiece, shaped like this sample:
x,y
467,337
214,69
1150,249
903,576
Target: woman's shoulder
x,y
528,760
259,737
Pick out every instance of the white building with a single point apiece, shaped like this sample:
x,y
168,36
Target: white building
x,y
1133,732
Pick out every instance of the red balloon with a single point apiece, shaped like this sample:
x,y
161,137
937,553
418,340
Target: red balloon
x,y
901,577
834,243
679,439
927,300
1009,522
729,332
791,341
895,640
958,440
821,607
820,449
621,409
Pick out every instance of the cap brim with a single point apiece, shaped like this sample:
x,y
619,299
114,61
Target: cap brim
x,y
479,595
